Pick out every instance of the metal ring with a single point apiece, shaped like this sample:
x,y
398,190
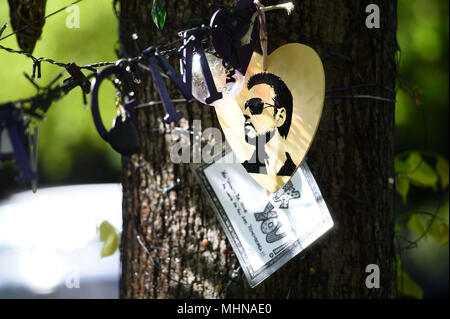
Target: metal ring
x,y
95,86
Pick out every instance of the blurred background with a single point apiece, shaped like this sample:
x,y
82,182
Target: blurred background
x,y
421,119
70,149
49,246
63,228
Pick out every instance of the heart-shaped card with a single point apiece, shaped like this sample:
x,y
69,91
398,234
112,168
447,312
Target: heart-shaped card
x,y
271,123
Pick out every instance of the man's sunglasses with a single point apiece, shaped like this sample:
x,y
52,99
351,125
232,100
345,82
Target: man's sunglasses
x,y
256,106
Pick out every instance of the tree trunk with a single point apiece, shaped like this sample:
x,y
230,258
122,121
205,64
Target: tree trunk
x,y
351,159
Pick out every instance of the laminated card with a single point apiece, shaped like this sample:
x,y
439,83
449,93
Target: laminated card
x,y
265,230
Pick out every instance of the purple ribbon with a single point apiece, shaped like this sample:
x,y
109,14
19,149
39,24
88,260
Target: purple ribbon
x,y
10,118
192,44
228,27
155,63
264,28
195,45
261,20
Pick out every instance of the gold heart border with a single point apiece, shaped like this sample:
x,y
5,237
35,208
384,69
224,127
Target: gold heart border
x,y
307,85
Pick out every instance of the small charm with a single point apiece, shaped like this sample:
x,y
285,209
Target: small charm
x,y
123,137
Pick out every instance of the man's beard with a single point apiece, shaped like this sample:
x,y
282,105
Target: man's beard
x,y
259,139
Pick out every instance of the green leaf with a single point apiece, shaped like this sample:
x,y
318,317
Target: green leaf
x,y
417,170
110,246
109,237
442,169
416,224
440,228
400,166
406,286
402,187
105,229
439,232
420,173
159,13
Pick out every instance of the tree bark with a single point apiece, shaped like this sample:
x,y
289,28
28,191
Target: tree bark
x,y
351,159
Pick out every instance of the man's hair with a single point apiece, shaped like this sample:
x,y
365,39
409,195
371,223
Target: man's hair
x,y
283,97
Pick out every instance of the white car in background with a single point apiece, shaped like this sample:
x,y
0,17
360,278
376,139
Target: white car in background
x,y
49,246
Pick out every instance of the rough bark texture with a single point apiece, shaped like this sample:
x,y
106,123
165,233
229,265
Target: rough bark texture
x,y
351,159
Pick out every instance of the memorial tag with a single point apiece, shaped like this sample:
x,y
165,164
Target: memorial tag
x,y
265,230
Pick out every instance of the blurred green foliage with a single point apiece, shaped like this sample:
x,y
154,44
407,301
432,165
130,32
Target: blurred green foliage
x,y
70,150
423,39
421,137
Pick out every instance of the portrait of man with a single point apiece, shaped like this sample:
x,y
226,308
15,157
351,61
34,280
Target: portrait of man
x,y
268,116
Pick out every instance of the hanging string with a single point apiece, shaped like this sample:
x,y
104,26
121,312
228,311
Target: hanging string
x,y
92,67
358,86
370,97
414,243
47,95
263,35
37,61
152,103
361,96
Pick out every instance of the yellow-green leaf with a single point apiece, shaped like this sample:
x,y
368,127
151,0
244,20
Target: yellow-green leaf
x,y
440,228
109,237
416,224
105,229
420,173
439,232
406,285
442,169
402,187
110,246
